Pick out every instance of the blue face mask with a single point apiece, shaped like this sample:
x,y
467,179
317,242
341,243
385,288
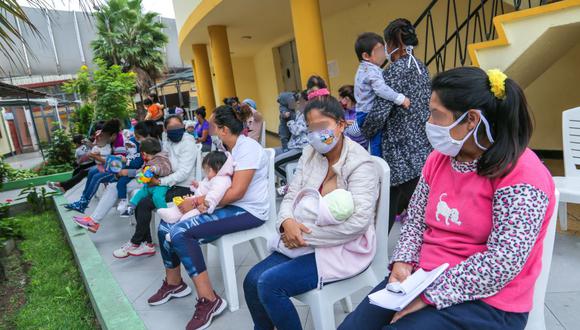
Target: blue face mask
x,y
175,135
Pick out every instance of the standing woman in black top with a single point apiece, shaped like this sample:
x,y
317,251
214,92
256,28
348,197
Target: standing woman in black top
x,y
405,144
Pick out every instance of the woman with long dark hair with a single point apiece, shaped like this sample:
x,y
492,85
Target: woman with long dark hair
x,y
482,205
244,206
405,146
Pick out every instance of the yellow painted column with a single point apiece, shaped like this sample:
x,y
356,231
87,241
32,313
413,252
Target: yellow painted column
x,y
222,62
309,39
202,77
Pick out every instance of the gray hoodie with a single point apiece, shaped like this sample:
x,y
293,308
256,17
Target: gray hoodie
x,y
287,104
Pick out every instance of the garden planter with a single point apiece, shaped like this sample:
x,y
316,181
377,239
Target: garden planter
x,y
38,181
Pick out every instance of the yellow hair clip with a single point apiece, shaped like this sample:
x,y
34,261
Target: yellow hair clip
x,y
497,83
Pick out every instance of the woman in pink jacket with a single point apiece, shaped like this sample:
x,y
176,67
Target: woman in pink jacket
x,y
482,205
331,162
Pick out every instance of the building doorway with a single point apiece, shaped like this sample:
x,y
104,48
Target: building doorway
x,y
289,67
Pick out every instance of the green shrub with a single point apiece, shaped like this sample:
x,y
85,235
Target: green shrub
x,y
61,150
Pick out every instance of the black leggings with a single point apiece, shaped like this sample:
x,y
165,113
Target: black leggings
x,y
143,214
399,199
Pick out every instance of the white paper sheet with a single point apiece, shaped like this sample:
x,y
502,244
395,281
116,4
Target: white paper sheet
x,y
405,292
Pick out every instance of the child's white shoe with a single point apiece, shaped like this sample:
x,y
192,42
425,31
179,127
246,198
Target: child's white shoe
x,y
122,207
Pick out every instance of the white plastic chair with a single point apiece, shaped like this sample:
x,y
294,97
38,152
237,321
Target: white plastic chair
x,y
322,301
569,185
263,135
198,160
291,171
225,244
536,320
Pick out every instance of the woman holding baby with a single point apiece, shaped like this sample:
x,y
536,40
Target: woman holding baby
x,y
325,219
243,206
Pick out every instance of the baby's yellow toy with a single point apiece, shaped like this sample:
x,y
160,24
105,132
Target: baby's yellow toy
x,y
179,199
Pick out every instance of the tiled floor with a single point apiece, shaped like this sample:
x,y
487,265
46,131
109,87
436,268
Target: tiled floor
x,y
140,277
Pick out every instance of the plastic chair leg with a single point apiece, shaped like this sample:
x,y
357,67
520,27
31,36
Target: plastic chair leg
x,y
258,248
322,315
346,304
229,273
563,215
153,228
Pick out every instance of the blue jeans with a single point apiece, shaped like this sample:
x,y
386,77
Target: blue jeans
x,y
468,315
94,179
269,286
187,236
375,142
122,186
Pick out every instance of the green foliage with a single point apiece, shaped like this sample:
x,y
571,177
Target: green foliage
x,y
82,85
82,118
9,229
54,169
13,174
37,197
55,294
113,89
61,150
129,37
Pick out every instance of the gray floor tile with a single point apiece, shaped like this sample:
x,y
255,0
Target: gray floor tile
x,y
565,307
565,270
551,322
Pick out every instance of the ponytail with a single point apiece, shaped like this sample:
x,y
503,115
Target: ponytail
x,y
513,127
503,104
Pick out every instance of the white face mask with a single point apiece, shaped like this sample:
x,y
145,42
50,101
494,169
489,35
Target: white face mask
x,y
390,55
441,140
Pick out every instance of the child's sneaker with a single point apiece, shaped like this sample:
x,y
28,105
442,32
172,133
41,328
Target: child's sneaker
x,y
128,212
145,249
123,251
87,223
122,207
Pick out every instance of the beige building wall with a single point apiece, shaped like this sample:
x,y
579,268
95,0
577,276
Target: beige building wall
x,y
245,78
553,92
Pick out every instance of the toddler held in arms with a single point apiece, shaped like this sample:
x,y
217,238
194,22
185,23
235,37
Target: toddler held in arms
x,y
218,168
311,208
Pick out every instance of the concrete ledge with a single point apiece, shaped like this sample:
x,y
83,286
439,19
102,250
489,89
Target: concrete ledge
x,y
38,181
113,309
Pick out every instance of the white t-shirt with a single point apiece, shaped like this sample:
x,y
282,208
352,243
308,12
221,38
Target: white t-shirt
x,y
103,151
249,155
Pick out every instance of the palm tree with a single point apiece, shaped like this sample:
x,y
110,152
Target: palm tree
x,y
10,30
128,37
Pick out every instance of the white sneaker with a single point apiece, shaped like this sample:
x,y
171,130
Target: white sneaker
x,y
145,249
122,205
123,251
